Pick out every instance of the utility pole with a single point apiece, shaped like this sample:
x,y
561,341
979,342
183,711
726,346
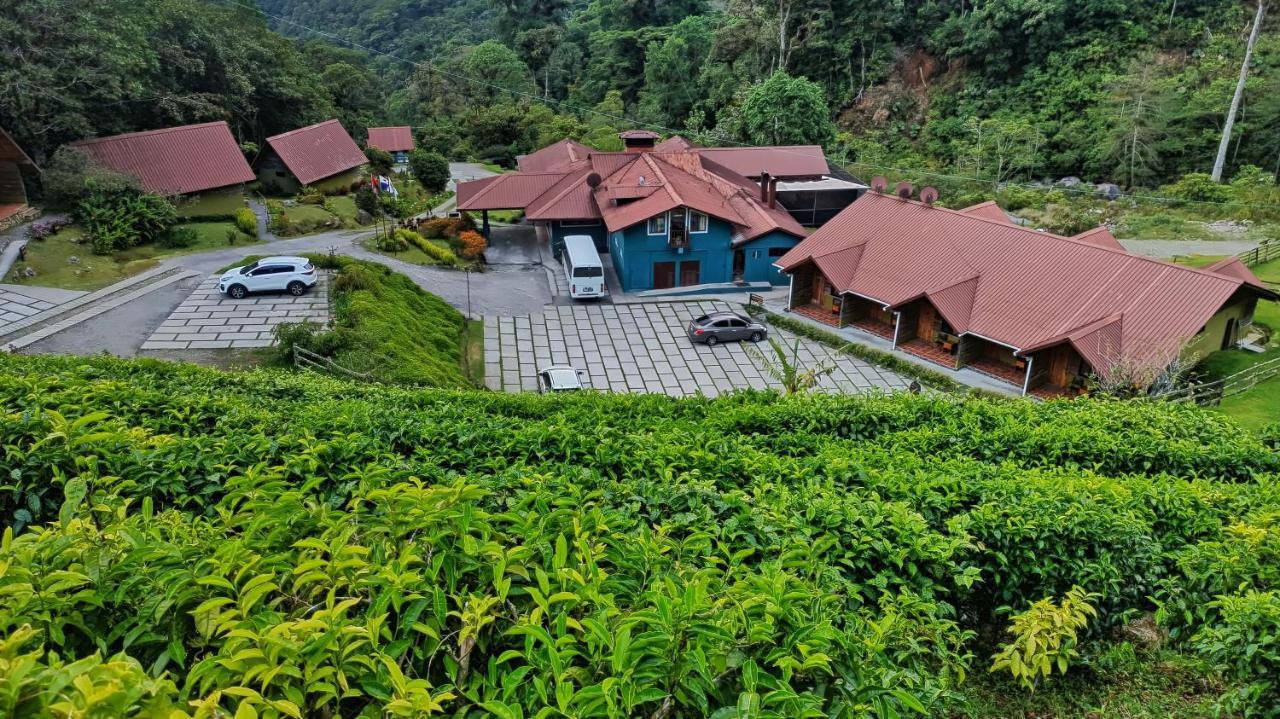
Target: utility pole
x,y
1221,160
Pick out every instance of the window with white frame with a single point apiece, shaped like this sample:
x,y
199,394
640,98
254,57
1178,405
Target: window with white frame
x,y
658,224
697,222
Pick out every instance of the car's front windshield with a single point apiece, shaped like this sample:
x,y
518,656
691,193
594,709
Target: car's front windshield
x,y
248,268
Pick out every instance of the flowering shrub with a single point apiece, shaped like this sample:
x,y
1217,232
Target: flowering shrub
x,y
42,230
472,244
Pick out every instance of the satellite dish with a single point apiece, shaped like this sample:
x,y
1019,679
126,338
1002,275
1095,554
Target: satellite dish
x,y
903,190
929,195
879,184
593,180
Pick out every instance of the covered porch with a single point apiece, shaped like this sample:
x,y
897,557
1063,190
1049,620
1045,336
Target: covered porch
x,y
923,332
814,296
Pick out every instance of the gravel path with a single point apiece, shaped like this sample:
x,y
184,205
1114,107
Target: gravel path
x,y
1165,249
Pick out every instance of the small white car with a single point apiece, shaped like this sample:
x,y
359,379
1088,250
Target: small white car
x,y
294,275
559,378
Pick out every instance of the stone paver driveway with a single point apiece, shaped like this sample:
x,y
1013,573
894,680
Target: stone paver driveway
x,y
208,319
15,306
643,348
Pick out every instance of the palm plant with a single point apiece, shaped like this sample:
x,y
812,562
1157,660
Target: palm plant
x,y
785,367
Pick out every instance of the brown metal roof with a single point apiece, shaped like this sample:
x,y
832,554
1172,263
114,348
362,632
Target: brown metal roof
x,y
317,151
781,161
1014,285
554,157
11,152
639,135
175,160
391,139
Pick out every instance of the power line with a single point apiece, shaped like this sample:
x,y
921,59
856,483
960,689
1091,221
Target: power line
x,y
632,122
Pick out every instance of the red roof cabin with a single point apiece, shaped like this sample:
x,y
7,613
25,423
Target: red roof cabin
x,y
322,156
971,289
397,141
14,209
192,161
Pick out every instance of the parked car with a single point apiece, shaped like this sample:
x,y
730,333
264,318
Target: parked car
x,y
559,378
724,326
294,275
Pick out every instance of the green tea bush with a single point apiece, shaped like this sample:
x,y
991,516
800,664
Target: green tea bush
x,y
1245,644
304,546
178,237
1045,637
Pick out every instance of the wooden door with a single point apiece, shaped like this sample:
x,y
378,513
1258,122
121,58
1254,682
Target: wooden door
x,y
664,275
690,273
819,287
739,264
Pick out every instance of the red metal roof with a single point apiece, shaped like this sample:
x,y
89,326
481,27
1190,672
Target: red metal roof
x,y
638,135
989,210
647,184
1014,285
317,151
391,139
782,161
554,157
675,143
175,160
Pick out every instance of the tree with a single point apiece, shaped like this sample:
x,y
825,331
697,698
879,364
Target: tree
x,y
1135,116
786,110
1221,159
999,147
671,70
72,175
498,70
380,161
429,168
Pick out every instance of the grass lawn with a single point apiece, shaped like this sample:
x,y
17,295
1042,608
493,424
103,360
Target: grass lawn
x,y
50,258
505,215
413,255
306,219
1261,404
473,352
212,203
493,167
344,207
1195,260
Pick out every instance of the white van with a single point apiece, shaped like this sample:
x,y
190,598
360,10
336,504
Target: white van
x,y
582,267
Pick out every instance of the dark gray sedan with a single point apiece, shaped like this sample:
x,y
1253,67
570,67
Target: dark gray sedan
x,y
725,326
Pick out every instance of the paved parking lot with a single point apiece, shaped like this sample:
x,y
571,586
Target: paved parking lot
x,y
208,319
18,302
643,348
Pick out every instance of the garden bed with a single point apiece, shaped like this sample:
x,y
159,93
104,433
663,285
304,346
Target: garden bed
x,y
51,258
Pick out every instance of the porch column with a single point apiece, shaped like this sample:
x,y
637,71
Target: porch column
x,y
484,226
897,320
1026,382
791,288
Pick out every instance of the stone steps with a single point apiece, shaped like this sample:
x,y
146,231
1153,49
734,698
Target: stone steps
x,y
39,326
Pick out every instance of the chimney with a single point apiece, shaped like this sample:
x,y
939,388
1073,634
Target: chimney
x,y
764,187
773,193
639,140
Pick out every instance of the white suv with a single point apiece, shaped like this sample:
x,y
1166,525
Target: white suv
x,y
294,275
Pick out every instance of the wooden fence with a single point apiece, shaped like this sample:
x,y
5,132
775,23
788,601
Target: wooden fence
x,y
306,359
1212,393
1266,251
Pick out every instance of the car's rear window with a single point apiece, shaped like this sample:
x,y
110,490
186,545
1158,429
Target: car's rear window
x,y
308,267
701,320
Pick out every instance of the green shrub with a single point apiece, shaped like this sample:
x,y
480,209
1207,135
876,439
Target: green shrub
x,y
1198,187
308,195
179,236
440,254
1245,645
123,218
1044,638
380,161
246,221
393,242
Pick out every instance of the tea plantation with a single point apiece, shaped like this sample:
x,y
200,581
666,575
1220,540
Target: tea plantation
x,y
184,542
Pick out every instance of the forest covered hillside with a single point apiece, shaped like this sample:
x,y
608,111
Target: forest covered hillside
x,y
1130,92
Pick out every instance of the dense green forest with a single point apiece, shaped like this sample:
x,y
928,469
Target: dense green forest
x,y
1130,92
1134,93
